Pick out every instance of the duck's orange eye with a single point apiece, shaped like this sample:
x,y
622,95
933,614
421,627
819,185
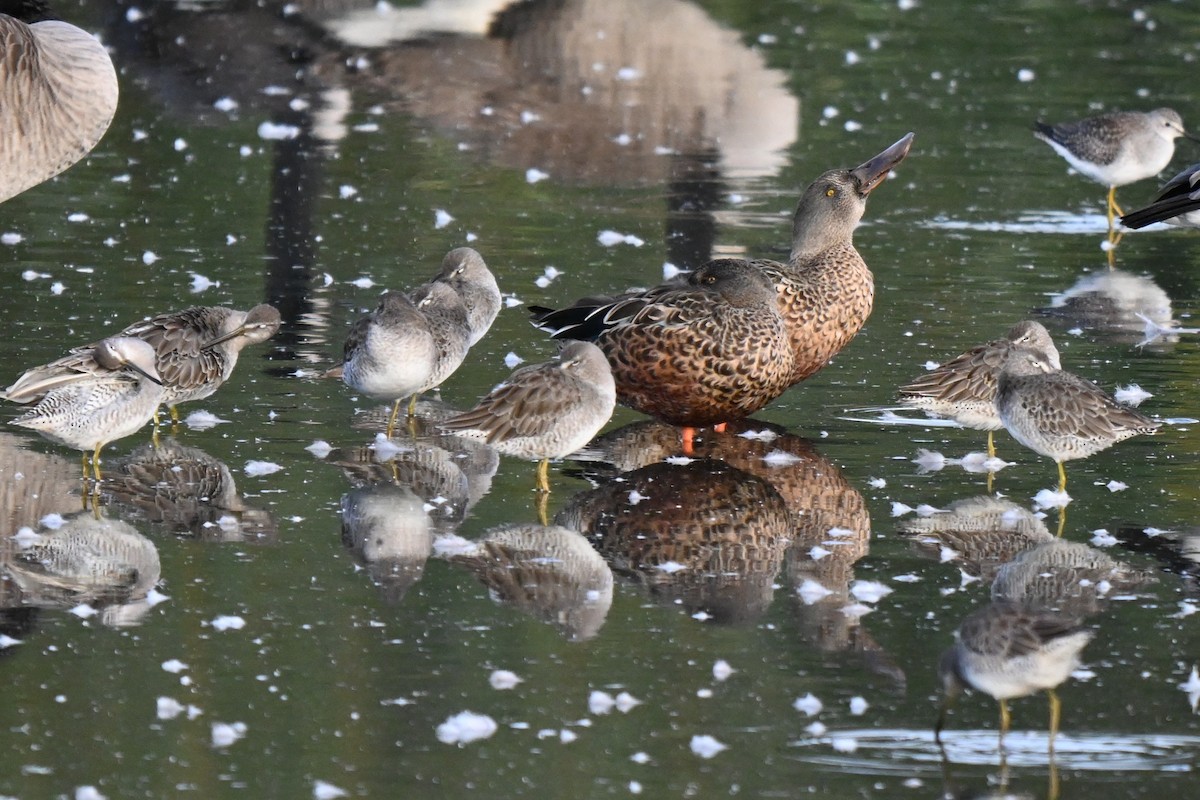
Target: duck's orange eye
x,y
830,192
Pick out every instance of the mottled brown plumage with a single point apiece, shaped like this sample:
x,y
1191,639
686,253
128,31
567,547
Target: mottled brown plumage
x,y
195,351
964,388
823,294
712,350
705,532
1061,415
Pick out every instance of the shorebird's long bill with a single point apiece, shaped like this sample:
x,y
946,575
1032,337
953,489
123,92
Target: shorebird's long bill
x,y
233,334
873,172
151,374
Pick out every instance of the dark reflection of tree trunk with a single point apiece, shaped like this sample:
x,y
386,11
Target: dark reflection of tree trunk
x,y
290,254
694,189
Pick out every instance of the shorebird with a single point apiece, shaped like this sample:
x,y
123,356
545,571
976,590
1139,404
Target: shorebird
x,y
1118,148
1060,415
1007,651
92,410
465,271
406,346
964,388
196,350
546,410
58,94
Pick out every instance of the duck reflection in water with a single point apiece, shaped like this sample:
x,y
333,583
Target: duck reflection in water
x,y
704,533
187,491
89,559
547,571
779,503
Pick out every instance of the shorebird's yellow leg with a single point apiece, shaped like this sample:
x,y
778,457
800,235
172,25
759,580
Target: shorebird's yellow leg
x,y
1055,716
1062,477
991,444
1005,719
174,414
96,462
391,425
543,476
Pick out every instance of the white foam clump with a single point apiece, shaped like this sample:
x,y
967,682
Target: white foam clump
x,y
362,283
808,705
722,670
320,448
547,277
454,545
929,460
441,218
1051,498
706,746
1192,687
1131,395
7,641
816,553
900,509
1116,486
765,435
89,792
174,666
610,238
858,706
10,239
465,727
257,468
228,622
512,360
812,592
926,510
503,679
83,611
1102,538
669,271
780,458
670,567
534,175
203,420
844,744
600,702
323,790
272,131
224,733
346,191
168,708
870,591
202,283
856,610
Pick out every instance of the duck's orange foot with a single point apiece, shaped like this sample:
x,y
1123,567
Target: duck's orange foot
x,y
720,427
689,436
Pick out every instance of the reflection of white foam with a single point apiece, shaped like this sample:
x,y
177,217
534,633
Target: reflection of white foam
x,y
903,752
1033,222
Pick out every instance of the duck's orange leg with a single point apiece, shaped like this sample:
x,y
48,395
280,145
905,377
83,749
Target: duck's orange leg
x,y
719,427
689,435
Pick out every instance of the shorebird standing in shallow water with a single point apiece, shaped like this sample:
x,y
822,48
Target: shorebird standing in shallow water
x,y
1009,651
1060,415
1116,149
546,410
93,409
823,294
195,349
406,346
964,388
